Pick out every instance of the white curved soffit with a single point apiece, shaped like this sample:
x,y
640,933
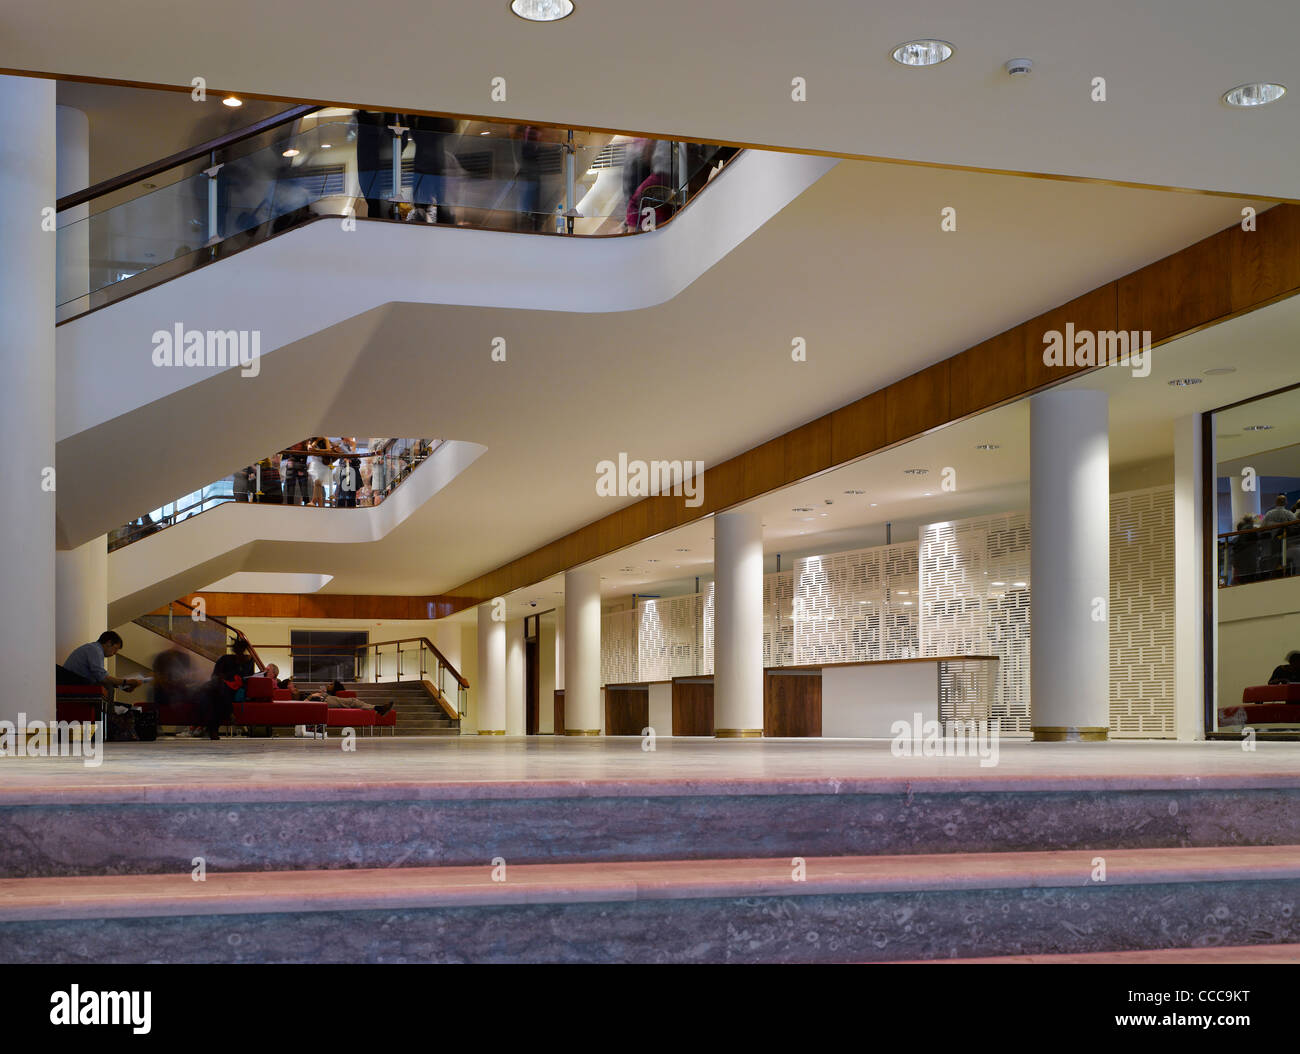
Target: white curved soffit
x,y
219,543
310,279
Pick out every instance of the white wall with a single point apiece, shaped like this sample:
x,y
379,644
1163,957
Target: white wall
x,y
1258,624
661,709
863,701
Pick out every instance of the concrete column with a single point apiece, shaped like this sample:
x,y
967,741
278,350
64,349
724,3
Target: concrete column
x,y
81,596
1189,579
582,704
72,150
491,673
1069,480
27,269
1244,502
515,723
738,625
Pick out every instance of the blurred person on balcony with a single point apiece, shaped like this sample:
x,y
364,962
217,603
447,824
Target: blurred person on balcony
x,y
1288,673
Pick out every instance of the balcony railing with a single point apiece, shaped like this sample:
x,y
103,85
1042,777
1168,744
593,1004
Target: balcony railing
x,y
193,208
377,472
1259,554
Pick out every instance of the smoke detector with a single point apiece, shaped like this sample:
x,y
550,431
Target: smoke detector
x,y
1020,67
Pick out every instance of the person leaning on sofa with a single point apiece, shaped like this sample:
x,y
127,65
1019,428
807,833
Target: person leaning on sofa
x,y
1289,673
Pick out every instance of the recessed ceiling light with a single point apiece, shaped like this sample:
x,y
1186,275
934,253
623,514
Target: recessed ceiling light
x,y
485,133
873,504
326,146
1184,382
988,446
922,52
1260,93
1220,371
291,152
542,10
233,101
1257,428
916,472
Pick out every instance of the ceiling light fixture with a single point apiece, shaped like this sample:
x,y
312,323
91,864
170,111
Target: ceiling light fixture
x,y
233,101
542,10
1260,93
922,53
291,152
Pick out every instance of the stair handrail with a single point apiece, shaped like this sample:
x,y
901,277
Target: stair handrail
x,y
428,644
239,634
192,153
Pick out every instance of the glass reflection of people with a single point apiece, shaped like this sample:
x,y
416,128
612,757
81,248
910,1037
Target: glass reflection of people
x,y
1288,672
375,159
429,167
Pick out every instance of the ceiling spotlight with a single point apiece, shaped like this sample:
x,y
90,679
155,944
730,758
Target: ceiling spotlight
x,y
988,446
326,146
233,101
916,472
1257,94
922,53
291,152
1019,67
1220,371
1184,382
542,10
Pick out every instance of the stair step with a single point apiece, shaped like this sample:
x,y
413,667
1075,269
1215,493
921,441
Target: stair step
x,y
1218,955
863,909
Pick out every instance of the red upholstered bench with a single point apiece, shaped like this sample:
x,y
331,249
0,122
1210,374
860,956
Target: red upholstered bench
x,y
78,702
340,718
1264,705
1272,693
388,720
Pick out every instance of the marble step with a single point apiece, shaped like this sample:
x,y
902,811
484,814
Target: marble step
x,y
839,909
336,822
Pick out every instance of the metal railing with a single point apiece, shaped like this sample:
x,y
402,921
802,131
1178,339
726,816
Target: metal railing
x,y
1259,554
390,465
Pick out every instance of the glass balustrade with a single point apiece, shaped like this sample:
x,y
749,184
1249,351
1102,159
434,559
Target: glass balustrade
x,y
347,479
351,164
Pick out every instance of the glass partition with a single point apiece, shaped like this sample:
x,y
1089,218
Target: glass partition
x,y
374,165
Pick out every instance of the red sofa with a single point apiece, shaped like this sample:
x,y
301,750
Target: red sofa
x,y
1264,706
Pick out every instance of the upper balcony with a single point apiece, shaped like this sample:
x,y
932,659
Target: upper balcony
x,y
184,212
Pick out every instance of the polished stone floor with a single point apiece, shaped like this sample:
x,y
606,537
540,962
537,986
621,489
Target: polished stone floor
x,y
471,766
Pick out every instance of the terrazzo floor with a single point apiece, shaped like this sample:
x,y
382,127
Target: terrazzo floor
x,y
472,767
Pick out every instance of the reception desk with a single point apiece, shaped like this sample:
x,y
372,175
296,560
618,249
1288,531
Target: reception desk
x,y
856,700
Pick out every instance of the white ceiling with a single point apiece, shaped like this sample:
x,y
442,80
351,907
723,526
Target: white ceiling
x,y
1261,346
856,265
716,70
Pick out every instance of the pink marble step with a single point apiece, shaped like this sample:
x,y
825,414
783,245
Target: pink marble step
x,y
1221,956
144,896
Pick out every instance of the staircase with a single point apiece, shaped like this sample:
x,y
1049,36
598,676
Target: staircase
x,y
848,870
418,711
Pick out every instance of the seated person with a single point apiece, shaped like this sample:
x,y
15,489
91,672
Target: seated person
x,y
329,696
217,697
86,666
1288,673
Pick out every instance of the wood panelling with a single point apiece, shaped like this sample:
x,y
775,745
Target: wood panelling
x,y
326,605
1263,263
1180,292
792,703
987,374
692,706
917,403
1095,310
1228,273
627,710
559,712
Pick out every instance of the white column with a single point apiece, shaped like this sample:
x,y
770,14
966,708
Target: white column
x,y
1244,502
27,267
515,724
1189,579
1070,566
81,596
582,709
72,151
738,625
491,673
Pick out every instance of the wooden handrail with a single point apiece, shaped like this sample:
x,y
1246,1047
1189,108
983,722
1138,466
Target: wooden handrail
x,y
257,659
192,153
1255,530
427,643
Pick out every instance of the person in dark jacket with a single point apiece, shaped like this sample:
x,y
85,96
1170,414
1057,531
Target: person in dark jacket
x,y
216,697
